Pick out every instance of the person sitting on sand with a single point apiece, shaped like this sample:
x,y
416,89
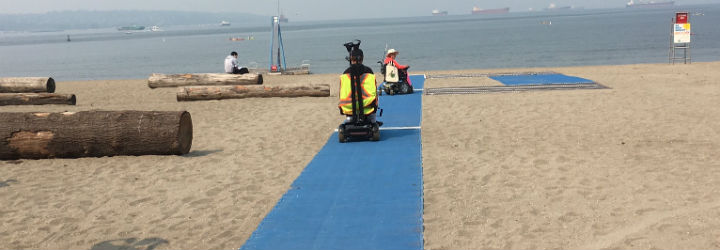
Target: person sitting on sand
x,y
402,69
369,88
231,65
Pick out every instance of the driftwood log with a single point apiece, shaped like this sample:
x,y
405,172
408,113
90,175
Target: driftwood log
x,y
36,99
94,134
297,72
27,85
163,80
196,93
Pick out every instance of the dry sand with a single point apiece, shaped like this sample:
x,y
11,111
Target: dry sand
x,y
627,167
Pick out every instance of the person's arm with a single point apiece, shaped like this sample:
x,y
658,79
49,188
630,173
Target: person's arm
x,y
235,63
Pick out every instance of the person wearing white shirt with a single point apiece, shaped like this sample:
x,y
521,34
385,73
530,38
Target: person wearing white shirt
x,y
231,65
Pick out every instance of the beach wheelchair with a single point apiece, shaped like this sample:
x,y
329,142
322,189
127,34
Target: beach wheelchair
x,y
394,80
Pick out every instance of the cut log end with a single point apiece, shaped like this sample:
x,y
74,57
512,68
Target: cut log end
x,y
51,87
72,100
185,134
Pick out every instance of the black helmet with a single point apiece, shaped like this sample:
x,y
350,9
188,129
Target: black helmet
x,y
356,54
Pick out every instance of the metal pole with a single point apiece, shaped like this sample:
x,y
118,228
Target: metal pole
x,y
688,53
282,49
672,41
272,45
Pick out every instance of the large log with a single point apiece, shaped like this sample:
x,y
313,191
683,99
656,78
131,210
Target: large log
x,y
27,85
163,80
296,72
36,99
94,134
195,93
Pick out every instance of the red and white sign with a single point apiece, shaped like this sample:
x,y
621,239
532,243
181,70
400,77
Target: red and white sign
x,y
681,28
681,17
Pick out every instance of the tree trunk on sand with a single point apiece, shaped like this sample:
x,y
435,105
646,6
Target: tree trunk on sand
x,y
36,99
163,80
27,85
196,93
94,134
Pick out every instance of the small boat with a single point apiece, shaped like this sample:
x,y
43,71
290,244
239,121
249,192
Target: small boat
x,y
478,11
554,7
155,28
242,38
439,13
224,23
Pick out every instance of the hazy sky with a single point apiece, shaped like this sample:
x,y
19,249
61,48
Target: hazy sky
x,y
308,9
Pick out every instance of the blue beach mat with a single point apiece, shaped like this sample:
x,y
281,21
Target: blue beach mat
x,y
540,79
356,195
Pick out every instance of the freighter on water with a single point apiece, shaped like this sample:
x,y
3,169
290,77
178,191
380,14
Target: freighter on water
x,y
649,4
477,10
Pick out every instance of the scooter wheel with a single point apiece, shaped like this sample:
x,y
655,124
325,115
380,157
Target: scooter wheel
x,y
341,134
376,133
405,88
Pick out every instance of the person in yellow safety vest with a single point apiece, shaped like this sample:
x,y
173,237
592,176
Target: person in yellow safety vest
x,y
369,89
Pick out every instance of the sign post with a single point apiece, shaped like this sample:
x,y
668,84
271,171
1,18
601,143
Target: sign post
x,y
680,38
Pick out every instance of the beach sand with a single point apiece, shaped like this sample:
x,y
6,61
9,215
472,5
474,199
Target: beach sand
x,y
627,167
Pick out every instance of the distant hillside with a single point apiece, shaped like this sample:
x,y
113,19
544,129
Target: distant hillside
x,y
64,20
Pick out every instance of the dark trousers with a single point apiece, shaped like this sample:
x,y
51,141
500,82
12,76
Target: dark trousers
x,y
240,71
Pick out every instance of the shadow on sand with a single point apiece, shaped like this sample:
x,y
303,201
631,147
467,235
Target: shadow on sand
x,y
130,244
201,153
7,183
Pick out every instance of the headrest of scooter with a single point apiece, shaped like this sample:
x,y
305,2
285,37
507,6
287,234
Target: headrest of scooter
x,y
357,53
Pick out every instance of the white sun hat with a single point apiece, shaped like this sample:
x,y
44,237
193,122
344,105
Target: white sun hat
x,y
391,51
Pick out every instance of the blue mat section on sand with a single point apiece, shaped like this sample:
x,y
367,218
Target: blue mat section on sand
x,y
541,79
403,110
356,195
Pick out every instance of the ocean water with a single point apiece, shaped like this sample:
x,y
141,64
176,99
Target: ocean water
x,y
587,37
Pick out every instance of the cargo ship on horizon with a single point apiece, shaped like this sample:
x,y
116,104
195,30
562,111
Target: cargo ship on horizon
x,y
649,4
134,27
478,11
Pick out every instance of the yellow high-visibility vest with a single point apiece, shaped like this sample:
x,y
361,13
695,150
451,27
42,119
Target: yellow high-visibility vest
x,y
369,93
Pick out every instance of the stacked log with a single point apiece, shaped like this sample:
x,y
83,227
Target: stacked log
x,y
27,85
178,80
32,91
36,99
195,93
94,134
296,72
